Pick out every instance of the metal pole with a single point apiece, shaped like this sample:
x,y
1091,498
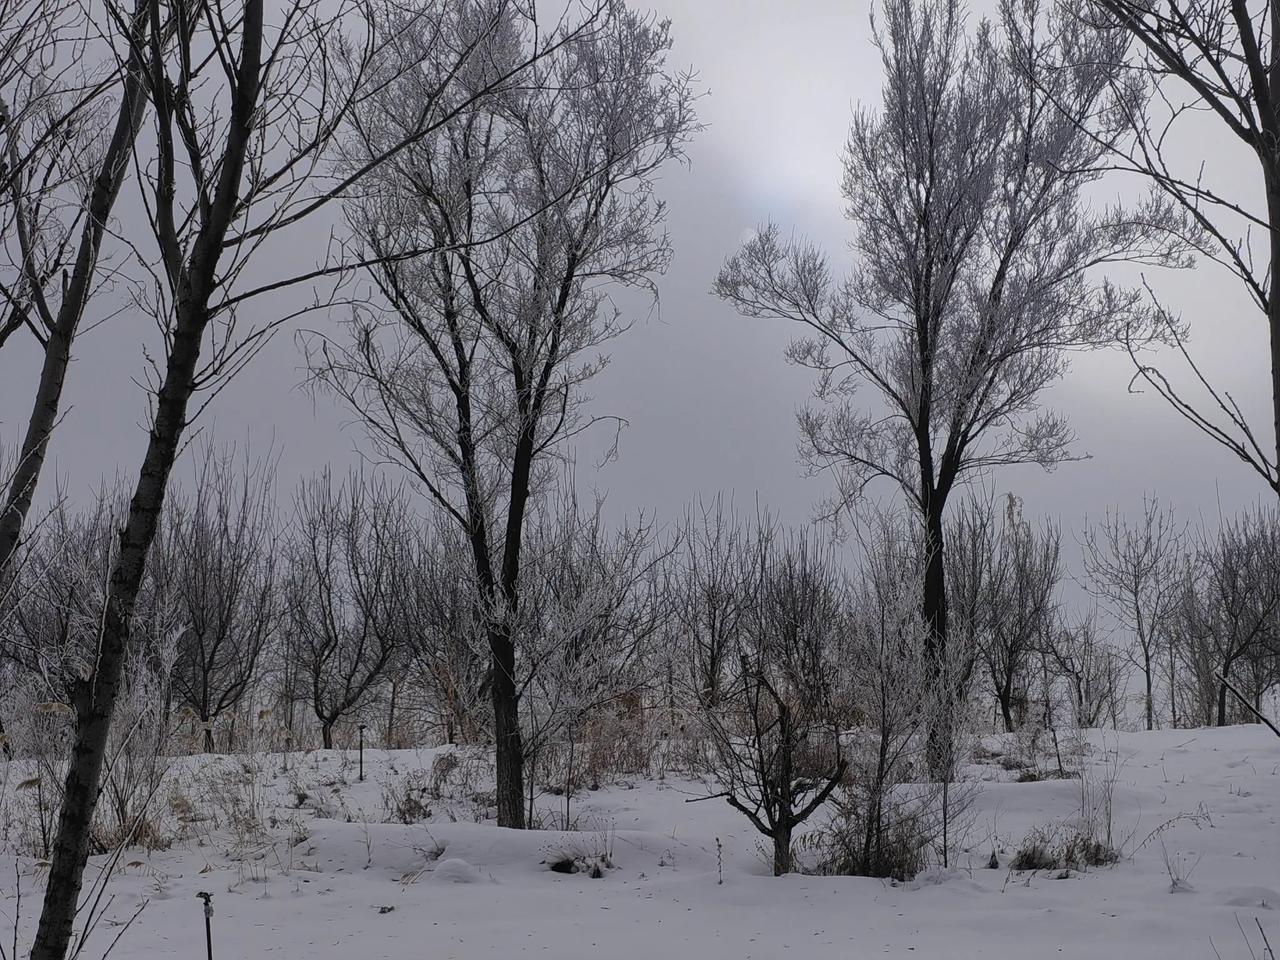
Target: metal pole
x,y
208,924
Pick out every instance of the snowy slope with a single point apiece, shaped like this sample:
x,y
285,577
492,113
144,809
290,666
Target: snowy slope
x,y
327,879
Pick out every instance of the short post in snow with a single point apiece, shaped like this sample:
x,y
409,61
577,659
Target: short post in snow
x,y
208,921
362,753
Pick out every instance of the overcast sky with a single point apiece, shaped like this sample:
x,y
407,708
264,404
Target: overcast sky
x,y
708,397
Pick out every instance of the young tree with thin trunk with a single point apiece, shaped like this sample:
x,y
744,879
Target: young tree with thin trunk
x,y
470,370
50,641
708,587
349,555
589,611
1091,667
220,553
1133,569
773,742
1024,610
1197,656
892,681
446,646
1230,609
979,264
976,574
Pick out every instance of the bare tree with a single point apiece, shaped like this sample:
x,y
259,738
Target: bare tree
x,y
1230,609
220,551
1091,668
191,248
1196,682
708,589
976,574
892,681
1259,674
978,264
447,642
34,37
54,69
773,741
1189,59
590,607
1025,605
534,202
348,556
1133,568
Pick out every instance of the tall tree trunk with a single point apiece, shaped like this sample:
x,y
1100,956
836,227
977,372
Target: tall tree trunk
x,y
1005,696
95,701
57,351
326,734
509,752
934,611
1271,178
1150,696
509,759
44,416
96,697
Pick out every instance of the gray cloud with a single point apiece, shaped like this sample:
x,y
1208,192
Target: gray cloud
x,y
709,399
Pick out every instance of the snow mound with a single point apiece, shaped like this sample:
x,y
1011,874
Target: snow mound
x,y
456,870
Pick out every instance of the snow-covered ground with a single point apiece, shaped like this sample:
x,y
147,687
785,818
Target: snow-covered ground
x,y
330,877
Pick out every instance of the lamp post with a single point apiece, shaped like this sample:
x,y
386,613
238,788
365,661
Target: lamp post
x,y
208,921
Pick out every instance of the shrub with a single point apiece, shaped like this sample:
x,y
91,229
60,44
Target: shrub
x,y
1036,853
405,798
1050,850
855,843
